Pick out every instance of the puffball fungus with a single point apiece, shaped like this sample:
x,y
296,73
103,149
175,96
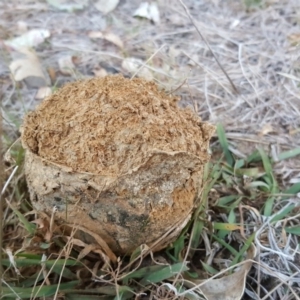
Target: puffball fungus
x,y
117,157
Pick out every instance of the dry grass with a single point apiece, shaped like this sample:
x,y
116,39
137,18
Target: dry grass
x,y
258,47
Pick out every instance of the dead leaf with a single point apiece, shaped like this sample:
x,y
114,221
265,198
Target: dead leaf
x,y
135,66
149,11
43,92
294,131
267,128
66,65
29,39
95,35
106,6
85,251
113,38
52,74
100,242
28,68
100,72
110,37
294,38
76,242
230,287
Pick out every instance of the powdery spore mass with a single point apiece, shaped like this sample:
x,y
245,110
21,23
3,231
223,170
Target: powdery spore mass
x,y
108,125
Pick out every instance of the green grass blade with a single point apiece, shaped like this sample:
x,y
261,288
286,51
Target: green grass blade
x,y
224,201
195,237
34,279
293,190
26,262
125,292
87,297
227,246
224,144
140,273
286,211
246,246
106,292
225,228
37,291
289,154
256,184
293,230
165,273
239,164
266,162
209,269
137,252
268,208
271,179
254,157
28,226
178,247
250,172
198,225
64,272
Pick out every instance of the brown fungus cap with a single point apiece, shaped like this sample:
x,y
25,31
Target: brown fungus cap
x,y
109,125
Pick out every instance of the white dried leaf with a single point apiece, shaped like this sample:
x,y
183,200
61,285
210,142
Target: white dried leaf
x,y
29,66
235,23
134,66
43,92
66,65
149,11
12,260
106,6
100,72
32,38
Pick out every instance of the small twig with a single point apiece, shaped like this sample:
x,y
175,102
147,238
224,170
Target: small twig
x,y
177,88
195,103
208,46
144,64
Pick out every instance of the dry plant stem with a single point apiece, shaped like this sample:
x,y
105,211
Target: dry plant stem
x,y
278,286
177,88
65,251
208,46
149,59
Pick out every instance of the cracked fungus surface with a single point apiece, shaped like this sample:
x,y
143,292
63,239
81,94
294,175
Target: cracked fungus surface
x,y
109,125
